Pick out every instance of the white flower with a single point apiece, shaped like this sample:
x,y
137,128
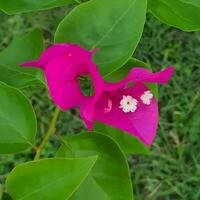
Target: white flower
x,y
128,104
147,97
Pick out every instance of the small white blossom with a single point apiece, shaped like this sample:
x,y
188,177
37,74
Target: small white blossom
x,y
147,97
128,104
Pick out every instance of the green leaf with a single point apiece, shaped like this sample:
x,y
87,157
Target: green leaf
x,y
51,179
127,142
17,121
182,14
22,49
110,177
194,2
115,27
12,7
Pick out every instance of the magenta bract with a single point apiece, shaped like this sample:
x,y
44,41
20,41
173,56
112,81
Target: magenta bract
x,y
144,120
62,64
129,108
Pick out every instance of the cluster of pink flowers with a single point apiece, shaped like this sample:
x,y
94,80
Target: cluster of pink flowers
x,y
129,108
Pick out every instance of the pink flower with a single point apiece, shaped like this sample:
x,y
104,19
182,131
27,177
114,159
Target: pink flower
x,y
129,108
132,109
62,64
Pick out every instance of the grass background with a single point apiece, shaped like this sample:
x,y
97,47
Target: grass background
x,y
172,170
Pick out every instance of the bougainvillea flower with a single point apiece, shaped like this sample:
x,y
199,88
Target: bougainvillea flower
x,y
62,64
129,108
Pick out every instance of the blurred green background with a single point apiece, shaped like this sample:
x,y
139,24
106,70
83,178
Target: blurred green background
x,y
172,169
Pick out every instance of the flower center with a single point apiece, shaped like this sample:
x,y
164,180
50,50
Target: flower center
x,y
128,104
147,97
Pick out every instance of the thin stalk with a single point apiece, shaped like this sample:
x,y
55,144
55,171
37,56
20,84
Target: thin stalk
x,y
50,132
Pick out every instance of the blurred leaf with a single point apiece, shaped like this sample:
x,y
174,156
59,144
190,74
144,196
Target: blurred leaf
x,y
193,124
182,14
127,142
1,191
20,6
109,178
17,121
115,27
6,197
22,49
51,179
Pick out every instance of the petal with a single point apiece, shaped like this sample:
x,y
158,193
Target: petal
x,y
76,62
49,54
74,52
141,75
87,112
87,106
62,69
161,77
142,123
53,52
33,63
97,79
61,72
66,94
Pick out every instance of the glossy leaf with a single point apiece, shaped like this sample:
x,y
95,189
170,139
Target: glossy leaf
x,y
25,48
51,179
17,121
21,6
109,179
115,27
127,142
183,14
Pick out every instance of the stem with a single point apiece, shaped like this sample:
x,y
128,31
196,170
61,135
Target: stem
x,y
50,132
91,91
